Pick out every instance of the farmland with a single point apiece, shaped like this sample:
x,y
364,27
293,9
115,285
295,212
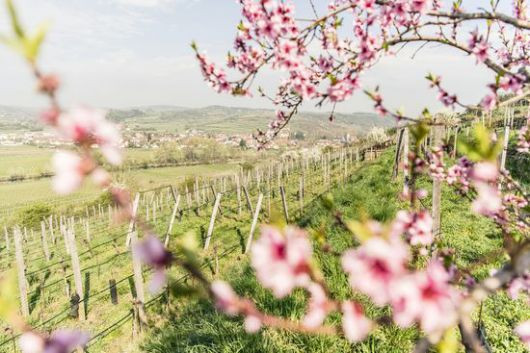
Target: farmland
x,y
104,256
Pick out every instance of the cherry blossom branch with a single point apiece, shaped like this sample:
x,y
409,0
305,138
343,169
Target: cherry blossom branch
x,y
488,62
494,16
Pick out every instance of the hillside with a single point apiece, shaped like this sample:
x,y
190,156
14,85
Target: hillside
x,y
214,119
198,327
220,119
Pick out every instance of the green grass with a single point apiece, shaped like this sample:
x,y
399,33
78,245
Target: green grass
x,y
194,326
24,160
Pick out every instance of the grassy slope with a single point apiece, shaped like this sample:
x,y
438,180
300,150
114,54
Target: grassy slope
x,y
197,327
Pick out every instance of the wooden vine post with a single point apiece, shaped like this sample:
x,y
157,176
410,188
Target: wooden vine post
x,y
137,275
212,220
172,220
214,192
301,195
238,193
132,240
405,158
44,240
6,236
505,146
131,223
21,270
76,268
247,197
254,223
284,203
437,186
398,151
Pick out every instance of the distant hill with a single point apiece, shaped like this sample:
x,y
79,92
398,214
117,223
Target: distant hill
x,y
11,114
215,119
221,119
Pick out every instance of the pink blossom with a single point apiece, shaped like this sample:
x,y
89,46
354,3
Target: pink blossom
x,y
405,300
342,89
417,226
478,46
318,306
69,172
374,265
48,83
519,284
523,331
488,201
449,100
436,166
50,116
425,297
281,259
459,174
355,324
252,324
101,177
60,341
515,201
226,299
489,102
215,76
485,172
420,5
153,253
513,83
30,342
89,126
437,299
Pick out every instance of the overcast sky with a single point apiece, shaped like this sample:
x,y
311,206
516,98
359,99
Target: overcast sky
x,y
122,53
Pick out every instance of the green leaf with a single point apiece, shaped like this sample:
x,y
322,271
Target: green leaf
x,y
17,27
419,132
481,147
332,78
33,44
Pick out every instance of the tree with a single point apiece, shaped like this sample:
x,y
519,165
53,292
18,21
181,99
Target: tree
x,y
398,265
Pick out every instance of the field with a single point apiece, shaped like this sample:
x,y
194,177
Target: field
x,y
104,257
193,325
28,160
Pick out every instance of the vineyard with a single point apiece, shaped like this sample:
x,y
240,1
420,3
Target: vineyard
x,y
75,267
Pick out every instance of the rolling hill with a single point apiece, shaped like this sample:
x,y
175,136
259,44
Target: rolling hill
x,y
220,119
214,119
